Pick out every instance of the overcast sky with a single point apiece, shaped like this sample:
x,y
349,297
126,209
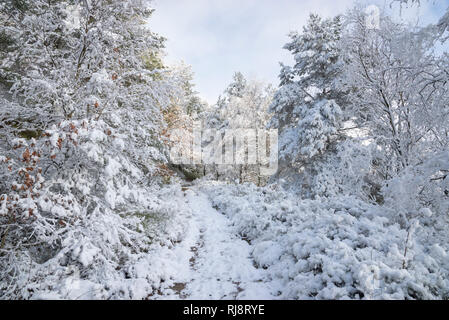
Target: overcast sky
x,y
219,37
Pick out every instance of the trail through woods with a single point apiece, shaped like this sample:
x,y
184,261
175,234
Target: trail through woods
x,y
213,262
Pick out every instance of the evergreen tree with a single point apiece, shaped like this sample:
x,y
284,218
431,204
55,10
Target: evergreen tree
x,y
307,107
236,87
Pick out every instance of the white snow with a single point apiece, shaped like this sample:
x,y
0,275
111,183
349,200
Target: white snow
x,y
269,244
213,262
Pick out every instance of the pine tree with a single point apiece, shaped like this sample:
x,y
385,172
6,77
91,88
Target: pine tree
x,y
236,87
307,107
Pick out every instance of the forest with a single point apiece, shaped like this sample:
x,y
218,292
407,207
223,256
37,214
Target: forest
x,y
118,181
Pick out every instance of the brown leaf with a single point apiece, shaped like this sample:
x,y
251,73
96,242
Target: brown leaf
x,y
60,143
26,155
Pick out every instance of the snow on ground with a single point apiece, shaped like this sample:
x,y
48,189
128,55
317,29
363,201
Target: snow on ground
x,y
335,248
213,262
223,241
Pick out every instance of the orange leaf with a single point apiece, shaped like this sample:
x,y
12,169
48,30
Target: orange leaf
x,y
26,155
60,143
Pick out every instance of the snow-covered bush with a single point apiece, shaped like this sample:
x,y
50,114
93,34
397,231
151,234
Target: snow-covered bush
x,y
346,171
97,215
423,187
335,248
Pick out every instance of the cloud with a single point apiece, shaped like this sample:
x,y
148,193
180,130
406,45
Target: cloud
x,y
219,37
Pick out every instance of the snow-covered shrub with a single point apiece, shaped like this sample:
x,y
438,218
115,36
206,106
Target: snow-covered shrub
x,y
97,215
422,188
334,248
349,170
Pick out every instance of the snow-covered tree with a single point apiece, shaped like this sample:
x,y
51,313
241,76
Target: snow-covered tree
x,y
307,108
243,105
440,29
396,94
237,86
80,141
185,109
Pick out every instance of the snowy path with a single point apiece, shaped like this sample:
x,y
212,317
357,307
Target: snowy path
x,y
213,262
